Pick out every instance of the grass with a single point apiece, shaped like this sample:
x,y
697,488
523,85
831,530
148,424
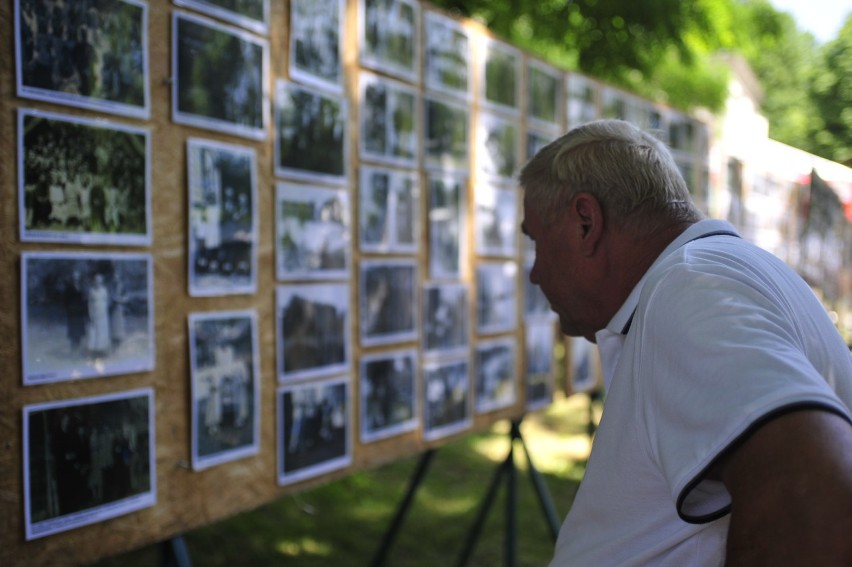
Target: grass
x,y
342,523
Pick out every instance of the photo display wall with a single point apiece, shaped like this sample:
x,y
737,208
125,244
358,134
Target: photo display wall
x,y
258,245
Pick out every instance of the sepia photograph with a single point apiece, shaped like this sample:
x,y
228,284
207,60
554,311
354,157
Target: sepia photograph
x,y
497,147
389,210
389,37
90,55
314,429
495,374
446,66
496,296
312,232
446,134
220,77
446,403
225,373
86,315
445,318
310,134
83,181
388,390
388,118
222,180
252,15
388,301
87,460
539,338
496,219
500,69
536,305
312,322
447,224
544,93
316,43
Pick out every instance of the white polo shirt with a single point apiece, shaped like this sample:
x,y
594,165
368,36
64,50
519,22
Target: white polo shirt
x,y
724,336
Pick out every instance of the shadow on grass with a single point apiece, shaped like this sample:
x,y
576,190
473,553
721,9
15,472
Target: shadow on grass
x,y
342,523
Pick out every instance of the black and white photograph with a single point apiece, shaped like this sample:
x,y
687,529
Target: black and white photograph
x,y
314,429
87,460
582,99
250,14
225,371
83,181
86,315
500,69
222,180
537,138
388,390
389,210
312,326
389,37
539,338
388,301
90,55
312,232
447,224
446,400
445,318
582,372
544,93
497,146
496,296
446,66
388,121
316,43
220,77
310,134
446,133
536,305
495,374
496,219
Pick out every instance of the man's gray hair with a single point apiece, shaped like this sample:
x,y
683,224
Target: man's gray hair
x,y
631,173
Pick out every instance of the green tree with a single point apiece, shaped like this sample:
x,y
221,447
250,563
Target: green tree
x,y
831,92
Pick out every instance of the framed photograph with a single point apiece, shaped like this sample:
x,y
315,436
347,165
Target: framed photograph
x,y
225,364
446,134
310,134
388,390
86,315
314,429
250,14
446,64
538,138
582,94
447,224
496,296
497,147
389,37
388,121
316,43
222,181
388,301
87,460
312,322
500,72
84,181
544,93
539,338
536,305
88,55
496,220
446,398
445,318
495,374
312,232
219,78
389,210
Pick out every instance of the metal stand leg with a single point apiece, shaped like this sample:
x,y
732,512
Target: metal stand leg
x,y
175,553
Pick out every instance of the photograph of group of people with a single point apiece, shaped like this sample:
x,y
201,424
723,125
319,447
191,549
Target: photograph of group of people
x,y
388,390
87,460
86,315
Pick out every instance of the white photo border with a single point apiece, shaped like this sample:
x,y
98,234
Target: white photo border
x,y
375,61
439,264
435,26
540,340
489,272
391,244
485,46
484,403
372,434
459,315
492,198
259,26
412,331
322,12
394,90
435,432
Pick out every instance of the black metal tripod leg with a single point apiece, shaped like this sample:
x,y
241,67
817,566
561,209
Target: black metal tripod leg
x,y
175,553
476,529
543,494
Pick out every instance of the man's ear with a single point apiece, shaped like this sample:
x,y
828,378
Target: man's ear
x,y
588,214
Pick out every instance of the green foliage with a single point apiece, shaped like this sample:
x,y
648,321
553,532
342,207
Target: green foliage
x,y
832,94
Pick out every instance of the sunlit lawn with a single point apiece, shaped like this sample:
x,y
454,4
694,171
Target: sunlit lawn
x,y
342,523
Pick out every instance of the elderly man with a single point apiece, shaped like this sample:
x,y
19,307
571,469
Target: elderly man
x,y
725,436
